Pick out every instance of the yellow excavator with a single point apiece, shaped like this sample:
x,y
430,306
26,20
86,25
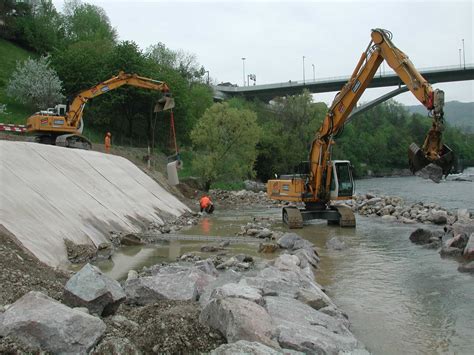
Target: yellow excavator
x,y
323,180
63,124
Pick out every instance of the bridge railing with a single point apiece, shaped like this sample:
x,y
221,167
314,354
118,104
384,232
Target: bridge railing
x,y
290,83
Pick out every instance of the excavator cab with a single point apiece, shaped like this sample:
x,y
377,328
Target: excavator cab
x,y
342,181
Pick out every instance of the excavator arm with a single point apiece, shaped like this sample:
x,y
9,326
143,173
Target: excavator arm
x,y
76,108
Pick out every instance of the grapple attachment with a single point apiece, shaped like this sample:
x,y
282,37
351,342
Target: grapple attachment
x,y
164,104
418,160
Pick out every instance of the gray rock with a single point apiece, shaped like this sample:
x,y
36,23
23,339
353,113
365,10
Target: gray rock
x,y
228,276
124,321
463,215
243,258
314,299
131,239
268,248
468,268
459,241
211,248
389,218
287,262
469,249
273,281
232,261
116,345
244,347
302,328
438,217
307,257
82,309
463,227
181,285
206,266
431,171
407,220
335,244
238,291
450,251
132,274
288,240
264,233
39,321
92,289
421,236
239,319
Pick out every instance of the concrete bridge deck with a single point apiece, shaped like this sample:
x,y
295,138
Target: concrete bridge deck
x,y
268,91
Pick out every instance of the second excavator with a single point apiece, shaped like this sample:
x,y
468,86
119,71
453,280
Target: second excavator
x,y
323,180
63,124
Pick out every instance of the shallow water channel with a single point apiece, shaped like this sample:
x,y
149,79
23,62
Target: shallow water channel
x,y
400,298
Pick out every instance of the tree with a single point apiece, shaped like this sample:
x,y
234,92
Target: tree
x,y
225,141
86,22
34,82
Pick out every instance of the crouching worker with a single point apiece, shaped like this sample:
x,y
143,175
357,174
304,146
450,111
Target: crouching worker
x,y
206,204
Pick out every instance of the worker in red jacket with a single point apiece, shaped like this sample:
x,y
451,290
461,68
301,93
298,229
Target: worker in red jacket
x,y
206,204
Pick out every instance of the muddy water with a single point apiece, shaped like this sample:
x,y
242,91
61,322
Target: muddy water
x,y
400,298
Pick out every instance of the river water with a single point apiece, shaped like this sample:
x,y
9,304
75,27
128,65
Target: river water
x,y
400,297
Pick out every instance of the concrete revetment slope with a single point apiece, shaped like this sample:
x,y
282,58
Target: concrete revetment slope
x,y
50,193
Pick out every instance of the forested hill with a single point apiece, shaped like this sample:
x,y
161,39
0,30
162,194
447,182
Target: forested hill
x,y
458,114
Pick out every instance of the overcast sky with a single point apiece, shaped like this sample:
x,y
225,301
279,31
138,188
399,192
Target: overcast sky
x,y
274,36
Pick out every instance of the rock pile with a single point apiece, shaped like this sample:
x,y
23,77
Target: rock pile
x,y
455,240
278,308
242,198
392,208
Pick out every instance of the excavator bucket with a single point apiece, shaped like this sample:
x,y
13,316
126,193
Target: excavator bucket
x,y
418,160
164,104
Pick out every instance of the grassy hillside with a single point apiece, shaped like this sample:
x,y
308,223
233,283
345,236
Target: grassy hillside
x,y
10,54
458,114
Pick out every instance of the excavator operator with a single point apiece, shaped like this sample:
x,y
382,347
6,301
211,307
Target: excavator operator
x,y
206,204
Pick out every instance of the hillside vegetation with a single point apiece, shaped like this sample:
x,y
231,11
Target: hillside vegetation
x,y
11,54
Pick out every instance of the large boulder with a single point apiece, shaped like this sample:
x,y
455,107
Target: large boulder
x,y
421,236
235,290
287,241
116,345
300,327
227,276
316,299
40,321
335,244
463,227
287,262
239,319
184,285
250,348
463,215
431,171
92,289
438,216
469,249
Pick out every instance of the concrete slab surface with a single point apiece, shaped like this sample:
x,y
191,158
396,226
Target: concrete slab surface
x,y
49,193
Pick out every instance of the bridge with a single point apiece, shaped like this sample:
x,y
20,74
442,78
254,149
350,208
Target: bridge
x,y
267,92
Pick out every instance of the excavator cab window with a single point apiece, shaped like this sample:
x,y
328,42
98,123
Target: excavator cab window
x,y
342,184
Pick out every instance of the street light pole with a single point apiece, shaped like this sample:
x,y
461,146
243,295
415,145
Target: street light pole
x,y
303,71
314,75
460,63
464,53
243,69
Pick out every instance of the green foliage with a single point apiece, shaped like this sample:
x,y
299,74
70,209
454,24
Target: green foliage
x,y
87,22
11,54
289,124
225,144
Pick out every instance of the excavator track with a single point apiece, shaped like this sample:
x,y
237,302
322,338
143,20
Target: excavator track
x,y
347,218
292,217
73,141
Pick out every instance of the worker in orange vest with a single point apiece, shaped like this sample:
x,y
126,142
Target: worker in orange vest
x,y
206,204
107,142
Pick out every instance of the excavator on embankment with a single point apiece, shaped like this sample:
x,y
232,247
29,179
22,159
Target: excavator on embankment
x,y
323,180
63,124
